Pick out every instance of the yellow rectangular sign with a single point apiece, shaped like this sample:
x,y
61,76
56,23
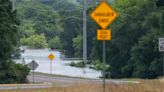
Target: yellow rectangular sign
x,y
104,34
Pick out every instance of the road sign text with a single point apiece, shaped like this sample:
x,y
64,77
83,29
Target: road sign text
x,y
103,34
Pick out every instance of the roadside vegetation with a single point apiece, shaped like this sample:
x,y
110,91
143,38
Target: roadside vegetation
x,y
97,65
77,64
144,86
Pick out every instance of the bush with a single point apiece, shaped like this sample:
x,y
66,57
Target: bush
x,y
16,54
15,73
78,64
23,41
97,65
54,43
35,41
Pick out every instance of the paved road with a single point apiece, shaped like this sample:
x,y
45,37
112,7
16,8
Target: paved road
x,y
69,81
46,81
24,86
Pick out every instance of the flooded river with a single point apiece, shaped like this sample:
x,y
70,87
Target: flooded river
x,y
59,66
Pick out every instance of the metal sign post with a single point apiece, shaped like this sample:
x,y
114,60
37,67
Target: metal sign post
x,y
33,72
104,35
161,49
51,57
104,15
33,65
104,62
51,67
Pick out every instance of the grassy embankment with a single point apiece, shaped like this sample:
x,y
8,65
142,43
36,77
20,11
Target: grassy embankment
x,y
143,86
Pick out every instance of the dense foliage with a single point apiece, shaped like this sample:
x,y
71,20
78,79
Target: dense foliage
x,y
37,20
35,41
134,51
10,72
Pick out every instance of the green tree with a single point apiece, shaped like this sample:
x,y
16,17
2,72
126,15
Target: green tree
x,y
134,26
26,28
9,39
146,58
36,41
72,25
55,43
42,19
77,44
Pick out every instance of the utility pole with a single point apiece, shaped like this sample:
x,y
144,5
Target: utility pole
x,y
13,5
84,32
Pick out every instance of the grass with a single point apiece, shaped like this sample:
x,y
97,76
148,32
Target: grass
x,y
144,86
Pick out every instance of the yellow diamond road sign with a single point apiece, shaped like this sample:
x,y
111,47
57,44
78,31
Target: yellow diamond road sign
x,y
104,34
51,56
104,15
